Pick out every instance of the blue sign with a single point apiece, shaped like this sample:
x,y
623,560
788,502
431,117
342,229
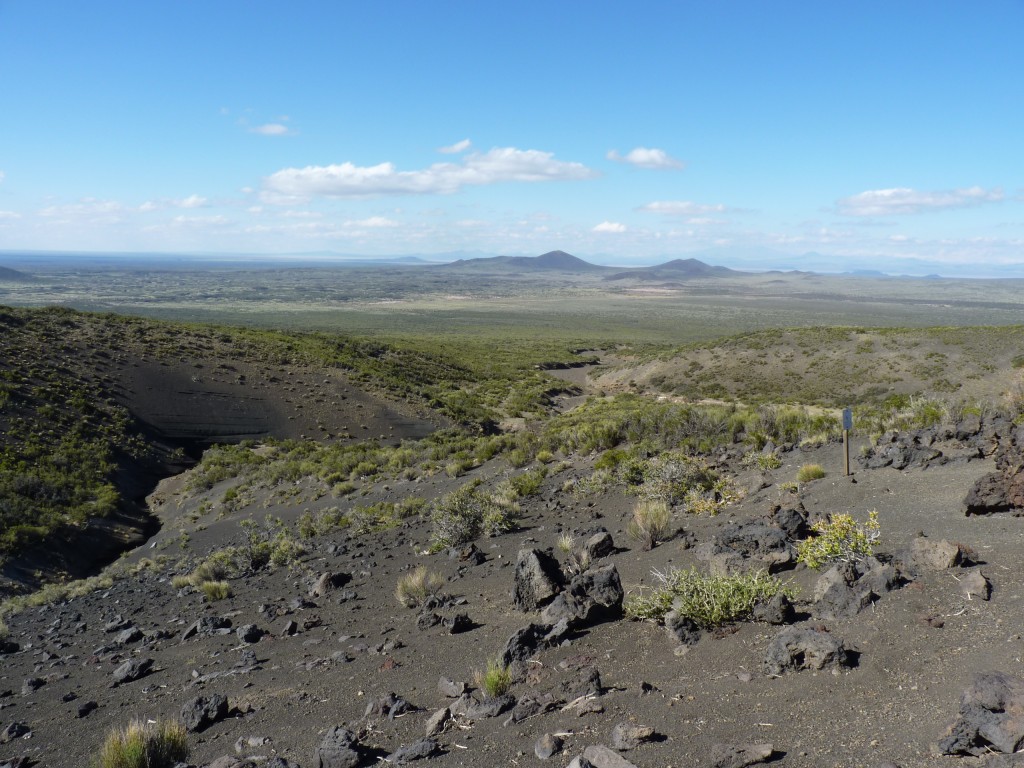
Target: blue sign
x,y
847,419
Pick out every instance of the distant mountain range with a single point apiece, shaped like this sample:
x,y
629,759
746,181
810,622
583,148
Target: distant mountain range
x,y
552,261
8,275
560,261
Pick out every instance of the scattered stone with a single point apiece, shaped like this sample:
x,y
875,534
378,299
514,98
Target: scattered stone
x,y
779,610
289,628
682,628
86,709
244,743
450,688
928,554
748,546
587,682
989,718
795,649
249,633
128,636
602,757
327,583
8,646
740,755
538,579
974,584
421,750
531,705
14,731
132,670
203,711
627,736
547,746
438,722
31,685
459,622
468,707
525,642
339,749
207,626
593,596
599,545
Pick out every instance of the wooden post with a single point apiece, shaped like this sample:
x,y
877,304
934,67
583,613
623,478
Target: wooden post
x,y
847,426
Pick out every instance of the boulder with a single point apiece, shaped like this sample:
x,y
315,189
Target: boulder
x,y
795,649
740,755
538,579
339,749
132,670
990,718
627,736
203,711
599,545
420,750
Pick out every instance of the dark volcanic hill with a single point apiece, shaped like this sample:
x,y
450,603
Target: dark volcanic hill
x,y
674,270
8,275
553,261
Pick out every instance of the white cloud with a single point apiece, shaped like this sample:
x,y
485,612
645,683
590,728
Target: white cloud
x,y
271,129
610,226
89,206
373,222
456,148
644,157
2,177
903,200
9,215
148,206
199,221
479,168
192,201
682,208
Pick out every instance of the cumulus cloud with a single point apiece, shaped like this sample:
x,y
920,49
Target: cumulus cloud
x,y
2,177
373,222
644,157
682,208
192,201
199,221
478,168
271,129
456,148
610,226
903,200
9,215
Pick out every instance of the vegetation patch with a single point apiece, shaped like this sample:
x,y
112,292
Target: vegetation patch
x,y
841,538
160,744
709,601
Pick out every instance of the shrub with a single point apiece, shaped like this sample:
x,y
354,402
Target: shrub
x,y
144,745
495,680
840,539
4,631
809,472
414,588
465,514
763,461
709,601
215,590
180,582
650,522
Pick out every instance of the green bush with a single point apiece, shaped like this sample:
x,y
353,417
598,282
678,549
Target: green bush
x,y
809,472
215,590
495,680
144,745
840,539
468,513
414,588
650,523
709,601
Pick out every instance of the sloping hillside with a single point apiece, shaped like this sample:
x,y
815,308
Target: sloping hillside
x,y
834,366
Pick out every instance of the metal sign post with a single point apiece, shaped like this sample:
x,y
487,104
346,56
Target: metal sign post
x,y
847,426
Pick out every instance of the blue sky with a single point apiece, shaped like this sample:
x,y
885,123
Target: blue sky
x,y
627,133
